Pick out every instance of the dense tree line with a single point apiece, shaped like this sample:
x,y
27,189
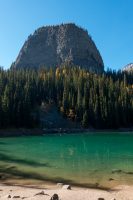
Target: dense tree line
x,y
100,101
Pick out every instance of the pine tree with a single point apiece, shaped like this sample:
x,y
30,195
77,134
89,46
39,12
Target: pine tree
x,y
85,121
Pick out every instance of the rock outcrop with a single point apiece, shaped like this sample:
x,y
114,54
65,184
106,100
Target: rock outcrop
x,y
128,68
53,46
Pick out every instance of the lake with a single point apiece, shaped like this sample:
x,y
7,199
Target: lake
x,y
96,159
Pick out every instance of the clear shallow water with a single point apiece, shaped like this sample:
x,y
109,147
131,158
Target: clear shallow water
x,y
86,159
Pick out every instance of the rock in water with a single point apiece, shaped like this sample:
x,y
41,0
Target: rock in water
x,y
52,46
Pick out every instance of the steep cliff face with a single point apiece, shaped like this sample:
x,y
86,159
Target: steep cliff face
x,y
53,46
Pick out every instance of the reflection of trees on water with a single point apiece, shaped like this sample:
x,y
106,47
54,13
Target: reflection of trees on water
x,y
81,160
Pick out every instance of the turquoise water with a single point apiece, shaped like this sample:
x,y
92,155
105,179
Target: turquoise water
x,y
85,159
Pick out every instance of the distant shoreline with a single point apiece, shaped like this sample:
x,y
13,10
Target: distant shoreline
x,y
39,132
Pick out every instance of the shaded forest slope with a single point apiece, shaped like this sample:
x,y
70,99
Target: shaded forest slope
x,y
86,99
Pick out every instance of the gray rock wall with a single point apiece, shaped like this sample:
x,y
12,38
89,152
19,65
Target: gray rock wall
x,y
53,46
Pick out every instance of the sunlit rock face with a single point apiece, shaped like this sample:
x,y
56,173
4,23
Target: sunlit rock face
x,y
128,68
52,46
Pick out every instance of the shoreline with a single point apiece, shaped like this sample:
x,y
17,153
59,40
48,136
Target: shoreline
x,y
121,192
41,183
16,132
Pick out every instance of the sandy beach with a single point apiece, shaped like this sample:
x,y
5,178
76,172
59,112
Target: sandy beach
x,y
30,193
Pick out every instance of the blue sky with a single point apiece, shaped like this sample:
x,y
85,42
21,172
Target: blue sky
x,y
109,22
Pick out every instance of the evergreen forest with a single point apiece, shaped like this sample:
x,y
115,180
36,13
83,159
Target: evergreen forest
x,y
102,101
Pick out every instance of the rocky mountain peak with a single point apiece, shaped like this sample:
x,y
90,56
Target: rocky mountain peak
x,y
128,67
52,46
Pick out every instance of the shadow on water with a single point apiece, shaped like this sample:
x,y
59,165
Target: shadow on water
x,y
11,159
14,173
2,143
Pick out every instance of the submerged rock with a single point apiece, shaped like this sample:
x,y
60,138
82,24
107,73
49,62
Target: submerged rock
x,y
2,176
111,179
131,173
116,171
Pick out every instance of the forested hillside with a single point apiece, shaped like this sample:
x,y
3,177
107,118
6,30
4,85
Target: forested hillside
x,y
99,101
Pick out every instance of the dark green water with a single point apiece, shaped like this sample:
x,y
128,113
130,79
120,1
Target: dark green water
x,y
86,159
